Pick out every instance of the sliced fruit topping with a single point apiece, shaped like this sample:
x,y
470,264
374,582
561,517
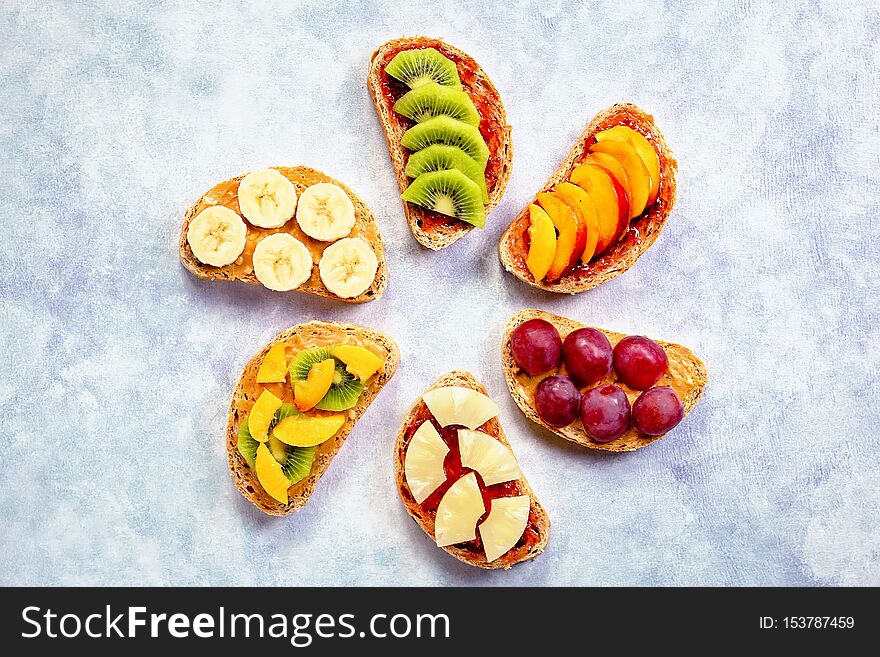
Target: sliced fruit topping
x,y
308,430
557,401
491,458
505,524
282,262
583,205
609,199
247,446
266,198
636,172
423,464
417,67
309,392
262,414
298,463
270,474
643,147
325,212
458,512
459,405
639,361
273,369
536,346
572,235
431,99
348,267
450,193
445,130
439,157
605,413
345,389
612,166
657,411
542,242
216,236
359,361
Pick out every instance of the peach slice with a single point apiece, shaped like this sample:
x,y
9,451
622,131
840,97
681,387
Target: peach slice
x,y
583,205
609,198
309,392
542,246
613,167
643,147
636,171
308,430
360,362
273,369
572,234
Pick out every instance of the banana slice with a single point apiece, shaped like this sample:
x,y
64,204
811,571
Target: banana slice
x,y
325,212
348,267
267,199
282,262
216,236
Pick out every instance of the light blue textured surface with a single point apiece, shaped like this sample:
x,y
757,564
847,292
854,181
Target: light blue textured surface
x,y
118,365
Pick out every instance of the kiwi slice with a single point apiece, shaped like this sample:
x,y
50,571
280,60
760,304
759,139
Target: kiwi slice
x,y
439,157
417,67
345,389
247,444
298,463
448,192
431,99
449,131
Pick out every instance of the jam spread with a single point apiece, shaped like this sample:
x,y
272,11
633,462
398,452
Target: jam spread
x,y
492,123
454,470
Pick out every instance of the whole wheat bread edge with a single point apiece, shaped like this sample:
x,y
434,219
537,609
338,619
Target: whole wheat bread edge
x,y
574,432
467,380
623,255
305,176
441,236
243,476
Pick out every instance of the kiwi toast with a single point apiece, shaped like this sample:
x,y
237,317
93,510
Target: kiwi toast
x,y
296,403
426,505
686,375
299,229
643,189
447,135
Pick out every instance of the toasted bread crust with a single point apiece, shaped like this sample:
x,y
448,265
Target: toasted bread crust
x,y
493,427
395,126
635,241
243,476
301,177
687,374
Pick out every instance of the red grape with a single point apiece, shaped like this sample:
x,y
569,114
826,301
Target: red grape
x,y
657,411
557,401
587,355
639,362
605,413
536,346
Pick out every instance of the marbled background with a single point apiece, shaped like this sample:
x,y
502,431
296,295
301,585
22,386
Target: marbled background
x,y
117,365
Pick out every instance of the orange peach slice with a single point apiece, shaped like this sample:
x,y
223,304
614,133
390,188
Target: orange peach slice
x,y
572,234
609,198
273,369
578,199
542,246
309,392
613,167
643,147
636,171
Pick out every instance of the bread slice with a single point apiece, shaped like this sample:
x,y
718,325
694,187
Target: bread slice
x,y
643,231
226,193
423,224
312,334
686,375
539,524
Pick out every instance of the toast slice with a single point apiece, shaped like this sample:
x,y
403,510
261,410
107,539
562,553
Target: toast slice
x,y
642,232
433,230
535,537
226,194
686,375
304,336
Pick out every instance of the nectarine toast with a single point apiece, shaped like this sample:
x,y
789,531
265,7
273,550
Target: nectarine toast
x,y
605,206
296,403
447,136
286,228
460,481
595,387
